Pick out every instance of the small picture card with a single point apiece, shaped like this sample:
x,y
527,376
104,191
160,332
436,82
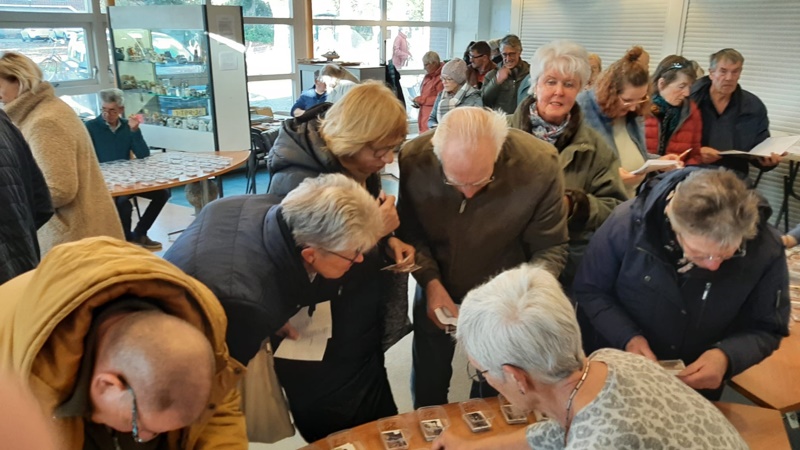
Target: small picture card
x,y
673,366
477,421
431,428
347,446
513,415
394,440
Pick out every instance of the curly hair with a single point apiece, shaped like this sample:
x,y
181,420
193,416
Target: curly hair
x,y
629,70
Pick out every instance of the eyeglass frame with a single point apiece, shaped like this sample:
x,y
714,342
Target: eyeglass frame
x,y
471,56
135,417
352,261
478,184
738,253
478,375
118,111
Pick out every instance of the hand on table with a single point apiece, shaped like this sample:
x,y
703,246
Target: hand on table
x,y
789,241
439,298
707,372
709,155
449,441
639,346
388,213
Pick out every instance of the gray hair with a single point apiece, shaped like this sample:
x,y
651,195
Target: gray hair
x,y
522,318
332,212
494,44
511,40
565,57
112,95
726,53
431,57
716,205
471,123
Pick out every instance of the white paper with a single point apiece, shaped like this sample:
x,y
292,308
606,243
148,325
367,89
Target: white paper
x,y
778,145
445,317
652,165
314,333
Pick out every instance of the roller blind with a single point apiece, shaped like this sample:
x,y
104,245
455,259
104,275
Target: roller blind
x,y
766,33
607,28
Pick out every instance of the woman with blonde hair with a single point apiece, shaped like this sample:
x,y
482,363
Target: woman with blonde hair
x,y
64,152
616,107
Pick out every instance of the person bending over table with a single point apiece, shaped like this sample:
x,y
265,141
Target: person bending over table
x,y
611,399
115,139
689,270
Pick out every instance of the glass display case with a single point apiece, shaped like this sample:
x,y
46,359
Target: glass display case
x,y
168,59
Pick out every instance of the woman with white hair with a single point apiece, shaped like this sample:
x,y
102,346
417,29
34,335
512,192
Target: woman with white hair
x,y
64,152
429,89
520,333
592,185
457,92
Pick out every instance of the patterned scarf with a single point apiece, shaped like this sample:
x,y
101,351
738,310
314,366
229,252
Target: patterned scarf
x,y
669,115
451,101
543,130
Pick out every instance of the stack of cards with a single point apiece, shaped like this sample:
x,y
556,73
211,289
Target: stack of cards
x,y
403,266
394,440
477,421
672,366
447,320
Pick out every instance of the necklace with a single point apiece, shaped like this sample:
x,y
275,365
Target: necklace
x,y
572,397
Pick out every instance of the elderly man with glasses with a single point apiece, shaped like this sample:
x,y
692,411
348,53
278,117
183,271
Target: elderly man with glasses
x,y
688,270
475,198
506,86
121,348
268,260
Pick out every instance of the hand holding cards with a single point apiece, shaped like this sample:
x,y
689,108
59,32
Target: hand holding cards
x,y
406,265
672,366
446,318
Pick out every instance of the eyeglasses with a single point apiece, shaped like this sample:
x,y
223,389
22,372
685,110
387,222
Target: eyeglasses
x,y
476,184
111,111
509,54
379,153
447,79
627,103
474,374
351,260
135,418
695,258
471,56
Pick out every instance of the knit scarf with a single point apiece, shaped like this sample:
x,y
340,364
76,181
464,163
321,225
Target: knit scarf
x,y
451,101
669,116
544,130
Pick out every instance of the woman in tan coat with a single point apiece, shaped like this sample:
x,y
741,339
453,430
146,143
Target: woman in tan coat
x,y
63,149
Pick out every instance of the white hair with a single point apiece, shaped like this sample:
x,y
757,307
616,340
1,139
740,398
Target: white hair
x,y
332,212
469,124
522,318
112,95
565,57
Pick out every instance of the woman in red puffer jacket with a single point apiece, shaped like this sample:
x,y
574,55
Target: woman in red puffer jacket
x,y
675,124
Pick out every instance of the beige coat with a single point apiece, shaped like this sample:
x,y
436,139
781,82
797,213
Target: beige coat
x,y
46,313
64,151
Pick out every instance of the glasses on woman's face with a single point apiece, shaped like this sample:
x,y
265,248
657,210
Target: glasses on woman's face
x,y
628,103
135,419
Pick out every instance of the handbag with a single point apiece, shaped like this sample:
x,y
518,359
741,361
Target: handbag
x,y
266,411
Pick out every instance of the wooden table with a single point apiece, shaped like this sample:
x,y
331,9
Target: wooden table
x,y
773,383
761,428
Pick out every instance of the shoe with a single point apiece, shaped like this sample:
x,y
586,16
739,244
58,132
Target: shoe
x,y
146,242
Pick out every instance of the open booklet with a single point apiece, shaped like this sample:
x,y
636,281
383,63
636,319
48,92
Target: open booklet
x,y
777,145
652,165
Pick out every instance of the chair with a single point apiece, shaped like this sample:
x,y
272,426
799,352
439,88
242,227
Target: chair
x,y
258,154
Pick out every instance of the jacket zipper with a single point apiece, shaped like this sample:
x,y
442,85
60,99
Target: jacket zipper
x,y
703,303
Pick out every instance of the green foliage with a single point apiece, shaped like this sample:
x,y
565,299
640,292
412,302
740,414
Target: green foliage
x,y
264,34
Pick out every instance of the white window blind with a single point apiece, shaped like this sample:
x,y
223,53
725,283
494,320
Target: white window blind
x,y
607,28
766,33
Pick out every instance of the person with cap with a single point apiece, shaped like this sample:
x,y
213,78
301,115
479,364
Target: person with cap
x,y
457,92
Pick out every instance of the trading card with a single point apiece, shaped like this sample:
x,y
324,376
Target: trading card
x,y
431,428
513,415
347,446
394,440
477,421
673,366
540,416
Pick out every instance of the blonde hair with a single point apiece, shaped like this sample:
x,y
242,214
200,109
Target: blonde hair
x,y
20,68
471,123
369,113
332,212
332,74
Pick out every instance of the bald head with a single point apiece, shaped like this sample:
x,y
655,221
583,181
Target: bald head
x,y
168,362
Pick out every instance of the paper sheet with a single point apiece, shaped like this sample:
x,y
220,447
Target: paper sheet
x,y
314,330
651,165
778,145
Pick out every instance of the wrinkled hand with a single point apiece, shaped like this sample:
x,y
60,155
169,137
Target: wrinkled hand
x,y
450,441
288,331
672,157
770,161
388,213
630,179
789,241
439,298
638,345
707,372
502,74
133,123
402,253
709,155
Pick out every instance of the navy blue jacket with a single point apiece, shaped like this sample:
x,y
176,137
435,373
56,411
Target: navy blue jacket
x,y
628,285
308,99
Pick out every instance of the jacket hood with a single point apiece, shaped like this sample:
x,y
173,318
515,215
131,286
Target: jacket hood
x,y
299,144
49,310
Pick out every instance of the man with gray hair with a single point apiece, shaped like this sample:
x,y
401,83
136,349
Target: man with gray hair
x,y
115,139
538,364
475,198
503,88
691,270
268,260
733,119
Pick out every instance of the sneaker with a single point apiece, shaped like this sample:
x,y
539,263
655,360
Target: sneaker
x,y
147,243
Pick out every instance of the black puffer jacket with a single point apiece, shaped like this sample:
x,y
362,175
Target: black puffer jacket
x,y
24,202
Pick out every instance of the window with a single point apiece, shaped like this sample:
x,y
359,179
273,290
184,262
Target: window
x,y
355,43
59,52
346,9
419,40
276,94
47,6
269,49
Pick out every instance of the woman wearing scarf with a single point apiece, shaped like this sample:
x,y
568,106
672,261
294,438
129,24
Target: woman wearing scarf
x,y
593,187
457,92
676,124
